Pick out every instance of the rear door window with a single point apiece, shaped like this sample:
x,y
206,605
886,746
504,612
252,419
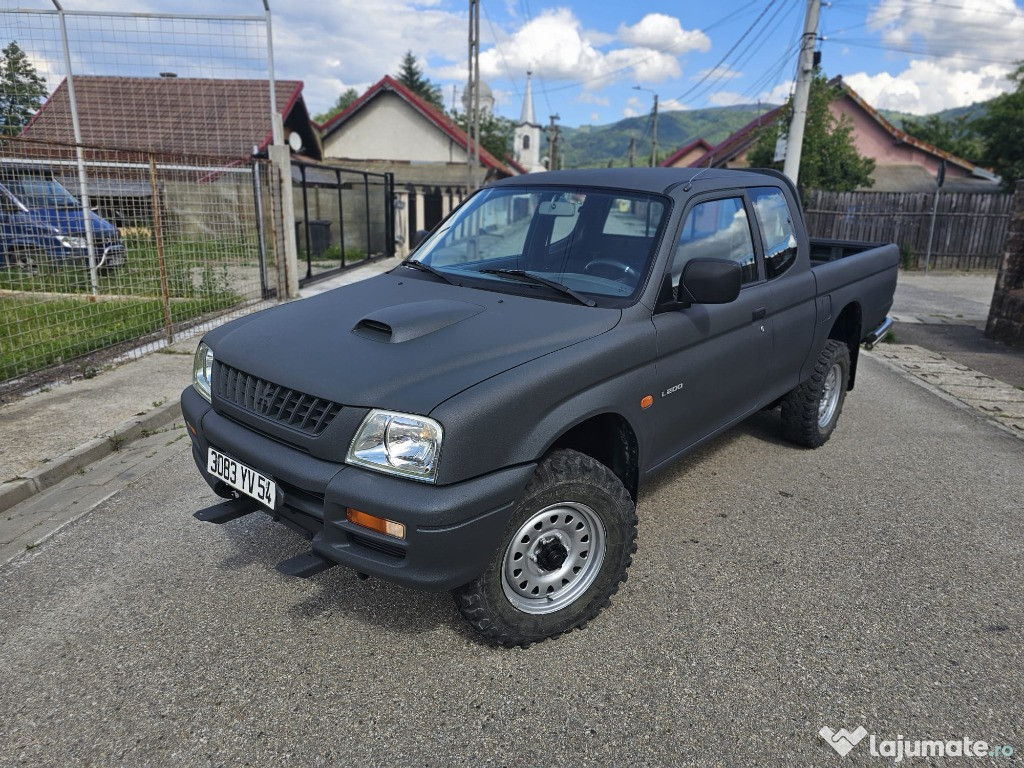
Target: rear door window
x,y
776,222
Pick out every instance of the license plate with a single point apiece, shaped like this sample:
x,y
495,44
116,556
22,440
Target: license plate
x,y
242,478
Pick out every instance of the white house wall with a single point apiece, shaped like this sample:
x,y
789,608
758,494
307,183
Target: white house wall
x,y
388,128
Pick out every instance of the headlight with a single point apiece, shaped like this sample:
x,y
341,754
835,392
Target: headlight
x,y
399,444
202,370
73,242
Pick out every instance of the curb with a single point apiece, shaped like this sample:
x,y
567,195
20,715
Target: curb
x,y
51,473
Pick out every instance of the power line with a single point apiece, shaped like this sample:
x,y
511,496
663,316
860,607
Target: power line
x,y
730,51
668,49
746,55
859,43
501,54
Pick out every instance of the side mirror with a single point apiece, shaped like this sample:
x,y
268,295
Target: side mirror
x,y
710,281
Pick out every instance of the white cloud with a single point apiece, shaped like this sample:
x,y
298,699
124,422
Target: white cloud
x,y
672,105
629,112
719,73
594,118
972,43
556,46
727,99
663,33
776,95
589,97
930,86
984,28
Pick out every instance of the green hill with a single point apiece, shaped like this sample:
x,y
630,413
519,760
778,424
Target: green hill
x,y
595,146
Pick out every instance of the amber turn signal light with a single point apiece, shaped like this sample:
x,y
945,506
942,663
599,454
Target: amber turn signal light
x,y
647,402
379,524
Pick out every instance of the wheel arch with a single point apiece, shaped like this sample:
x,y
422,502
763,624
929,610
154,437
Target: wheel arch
x,y
610,439
847,329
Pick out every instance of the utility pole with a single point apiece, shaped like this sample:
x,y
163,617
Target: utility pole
x,y
654,125
632,151
654,134
553,131
801,94
473,118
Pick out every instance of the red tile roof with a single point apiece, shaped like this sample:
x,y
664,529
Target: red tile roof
x,y
442,121
736,143
683,150
198,116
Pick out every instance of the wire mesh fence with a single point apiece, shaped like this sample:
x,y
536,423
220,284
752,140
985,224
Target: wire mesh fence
x,y
176,241
132,207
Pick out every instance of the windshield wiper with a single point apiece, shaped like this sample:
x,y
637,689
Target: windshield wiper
x,y
413,264
563,289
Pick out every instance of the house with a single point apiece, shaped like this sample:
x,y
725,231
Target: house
x,y
902,162
210,118
685,155
391,129
193,127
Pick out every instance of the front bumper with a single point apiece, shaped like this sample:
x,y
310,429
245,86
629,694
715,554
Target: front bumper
x,y
452,531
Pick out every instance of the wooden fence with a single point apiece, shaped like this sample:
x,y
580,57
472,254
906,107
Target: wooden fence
x,y
970,228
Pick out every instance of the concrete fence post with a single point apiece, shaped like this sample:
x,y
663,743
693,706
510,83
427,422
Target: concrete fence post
x,y
280,158
1006,314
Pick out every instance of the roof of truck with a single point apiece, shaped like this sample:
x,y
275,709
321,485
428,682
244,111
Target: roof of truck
x,y
637,179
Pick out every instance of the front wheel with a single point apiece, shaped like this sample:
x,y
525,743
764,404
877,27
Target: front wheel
x,y
564,554
811,410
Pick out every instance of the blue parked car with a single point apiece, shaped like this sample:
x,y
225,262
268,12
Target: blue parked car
x,y
41,222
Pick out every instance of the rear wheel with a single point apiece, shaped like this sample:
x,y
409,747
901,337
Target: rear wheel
x,y
810,412
563,555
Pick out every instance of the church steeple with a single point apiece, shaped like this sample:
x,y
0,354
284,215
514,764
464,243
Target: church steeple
x,y
527,133
526,117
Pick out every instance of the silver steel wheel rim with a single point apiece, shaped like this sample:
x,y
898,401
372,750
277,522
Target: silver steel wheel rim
x,y
829,396
553,558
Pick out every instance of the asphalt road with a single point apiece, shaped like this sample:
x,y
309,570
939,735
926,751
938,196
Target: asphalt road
x,y
875,582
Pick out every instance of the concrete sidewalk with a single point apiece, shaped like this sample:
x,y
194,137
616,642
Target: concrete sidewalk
x,y
51,435
55,433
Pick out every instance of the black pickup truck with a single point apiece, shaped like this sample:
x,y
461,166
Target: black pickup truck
x,y
480,418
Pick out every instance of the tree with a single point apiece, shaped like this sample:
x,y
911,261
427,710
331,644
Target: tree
x,y
496,132
411,76
1002,128
829,160
343,103
22,90
957,136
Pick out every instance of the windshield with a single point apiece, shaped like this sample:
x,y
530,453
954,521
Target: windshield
x,y
594,242
40,192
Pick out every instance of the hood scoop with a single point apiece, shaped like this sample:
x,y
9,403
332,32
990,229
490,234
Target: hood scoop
x,y
405,322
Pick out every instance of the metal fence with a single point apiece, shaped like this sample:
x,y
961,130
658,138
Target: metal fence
x,y
343,217
132,209
178,240
970,229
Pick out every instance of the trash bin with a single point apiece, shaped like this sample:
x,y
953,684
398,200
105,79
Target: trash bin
x,y
319,236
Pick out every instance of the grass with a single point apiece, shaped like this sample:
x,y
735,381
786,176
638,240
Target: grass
x,y
36,332
50,316
195,268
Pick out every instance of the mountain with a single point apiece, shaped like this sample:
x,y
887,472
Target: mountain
x,y
594,146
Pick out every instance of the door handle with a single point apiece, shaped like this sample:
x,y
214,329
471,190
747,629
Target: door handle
x,y
760,313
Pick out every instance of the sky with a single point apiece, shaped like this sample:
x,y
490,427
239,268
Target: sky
x,y
593,62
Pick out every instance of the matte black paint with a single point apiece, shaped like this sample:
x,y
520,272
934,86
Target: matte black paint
x,y
507,375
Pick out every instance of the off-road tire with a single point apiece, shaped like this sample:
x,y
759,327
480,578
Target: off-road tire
x,y
805,408
568,478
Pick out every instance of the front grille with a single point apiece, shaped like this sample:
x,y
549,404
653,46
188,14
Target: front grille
x,y
305,413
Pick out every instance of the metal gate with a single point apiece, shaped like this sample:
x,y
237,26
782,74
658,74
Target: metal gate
x,y
343,218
